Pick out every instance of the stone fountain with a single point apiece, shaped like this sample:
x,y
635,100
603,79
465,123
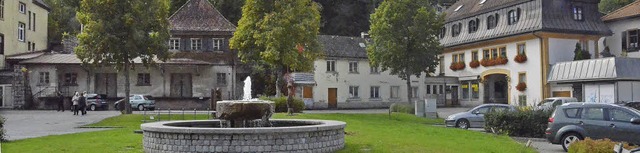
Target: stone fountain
x,y
244,126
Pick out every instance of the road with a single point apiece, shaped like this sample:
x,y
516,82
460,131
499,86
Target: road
x,y
31,124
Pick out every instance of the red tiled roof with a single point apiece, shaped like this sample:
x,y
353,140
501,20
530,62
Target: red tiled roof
x,y
199,16
631,10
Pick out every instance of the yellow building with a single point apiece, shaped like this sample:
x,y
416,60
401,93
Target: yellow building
x,y
23,27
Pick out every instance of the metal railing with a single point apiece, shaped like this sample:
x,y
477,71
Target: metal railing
x,y
168,114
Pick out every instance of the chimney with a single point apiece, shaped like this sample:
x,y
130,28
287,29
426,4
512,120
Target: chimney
x,y
364,35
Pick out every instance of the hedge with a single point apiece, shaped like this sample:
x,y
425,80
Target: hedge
x,y
402,108
522,123
589,145
281,104
2,134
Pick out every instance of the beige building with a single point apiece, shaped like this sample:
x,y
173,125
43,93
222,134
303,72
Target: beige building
x,y
23,27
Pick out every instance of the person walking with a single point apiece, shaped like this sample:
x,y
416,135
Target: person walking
x,y
74,100
60,101
82,102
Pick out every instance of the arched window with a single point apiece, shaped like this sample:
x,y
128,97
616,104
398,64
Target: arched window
x,y
473,25
492,21
443,31
514,16
455,30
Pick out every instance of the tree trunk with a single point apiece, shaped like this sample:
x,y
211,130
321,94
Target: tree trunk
x,y
409,88
127,105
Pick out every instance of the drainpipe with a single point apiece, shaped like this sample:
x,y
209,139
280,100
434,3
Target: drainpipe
x,y
541,48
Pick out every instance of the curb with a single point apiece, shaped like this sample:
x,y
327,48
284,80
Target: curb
x,y
525,139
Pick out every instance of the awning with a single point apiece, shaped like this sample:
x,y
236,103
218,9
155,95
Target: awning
x,y
603,69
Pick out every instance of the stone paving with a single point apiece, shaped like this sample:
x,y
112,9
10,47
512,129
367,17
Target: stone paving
x,y
31,124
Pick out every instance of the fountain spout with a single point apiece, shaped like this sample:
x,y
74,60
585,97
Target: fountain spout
x,y
247,89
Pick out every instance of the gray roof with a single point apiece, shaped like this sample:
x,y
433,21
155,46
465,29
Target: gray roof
x,y
42,4
199,16
556,18
343,47
603,69
64,59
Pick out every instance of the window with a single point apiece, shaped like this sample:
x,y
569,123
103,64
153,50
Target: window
x,y
174,44
353,92
455,30
494,53
443,32
217,44
492,21
44,78
487,54
454,58
21,33
522,100
593,114
375,70
22,8
521,49
1,44
1,9
481,110
375,92
29,22
503,52
470,90
33,46
71,79
458,58
28,45
353,67
619,115
572,112
577,13
514,16
395,91
221,78
441,89
630,40
144,79
473,25
441,65
474,55
414,92
196,44
522,77
331,66
428,89
34,22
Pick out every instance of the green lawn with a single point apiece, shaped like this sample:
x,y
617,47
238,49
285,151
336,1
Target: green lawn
x,y
365,133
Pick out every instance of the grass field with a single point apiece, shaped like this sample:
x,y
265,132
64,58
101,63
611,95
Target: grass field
x,y
365,133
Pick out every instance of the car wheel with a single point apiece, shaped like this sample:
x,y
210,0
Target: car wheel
x,y
92,107
463,124
569,139
140,107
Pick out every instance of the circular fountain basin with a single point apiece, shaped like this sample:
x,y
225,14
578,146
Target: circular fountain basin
x,y
286,135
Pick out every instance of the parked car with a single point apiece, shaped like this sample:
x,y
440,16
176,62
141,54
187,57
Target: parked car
x,y
474,118
575,121
553,102
633,104
141,102
95,101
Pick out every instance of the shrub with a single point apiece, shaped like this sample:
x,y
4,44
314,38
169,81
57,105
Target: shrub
x,y
522,123
281,104
589,145
2,134
402,108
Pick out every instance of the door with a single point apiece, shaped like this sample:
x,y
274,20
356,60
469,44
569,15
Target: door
x,y
333,98
477,116
106,83
561,94
454,96
181,85
621,127
594,123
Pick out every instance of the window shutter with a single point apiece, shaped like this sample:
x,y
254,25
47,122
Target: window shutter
x,y
624,41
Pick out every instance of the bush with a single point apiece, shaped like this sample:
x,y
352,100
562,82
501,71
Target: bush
x,y
2,134
281,104
589,145
522,123
402,108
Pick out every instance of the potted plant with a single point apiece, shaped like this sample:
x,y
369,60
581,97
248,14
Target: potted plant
x,y
501,61
474,64
487,62
521,86
460,65
520,58
453,66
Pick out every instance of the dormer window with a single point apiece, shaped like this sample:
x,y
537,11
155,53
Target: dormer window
x,y
577,13
492,21
473,25
443,31
514,16
196,44
455,29
458,8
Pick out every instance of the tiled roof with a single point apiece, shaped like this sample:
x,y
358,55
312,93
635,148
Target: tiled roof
x,y
473,7
343,47
24,56
199,16
72,59
42,4
631,10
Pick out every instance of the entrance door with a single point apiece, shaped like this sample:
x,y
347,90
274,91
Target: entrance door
x,y
106,83
181,85
333,98
454,96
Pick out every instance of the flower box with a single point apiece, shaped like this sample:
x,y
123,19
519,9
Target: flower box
x,y
520,58
521,86
474,64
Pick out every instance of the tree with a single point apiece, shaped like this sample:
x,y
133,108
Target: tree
x,y
608,6
118,31
62,18
580,54
404,34
281,33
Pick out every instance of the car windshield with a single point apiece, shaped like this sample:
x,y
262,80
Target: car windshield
x,y
633,109
148,97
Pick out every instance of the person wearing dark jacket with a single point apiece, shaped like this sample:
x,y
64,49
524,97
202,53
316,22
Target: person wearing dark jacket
x,y
60,101
82,103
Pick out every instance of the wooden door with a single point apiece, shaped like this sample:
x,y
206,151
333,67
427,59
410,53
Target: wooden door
x,y
181,85
561,94
307,92
333,98
106,83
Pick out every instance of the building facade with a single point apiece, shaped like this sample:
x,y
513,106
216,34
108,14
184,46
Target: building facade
x,y
625,24
501,51
23,27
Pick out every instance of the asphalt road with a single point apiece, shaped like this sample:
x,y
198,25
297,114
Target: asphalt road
x,y
31,124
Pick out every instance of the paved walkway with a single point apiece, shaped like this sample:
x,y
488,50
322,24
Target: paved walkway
x,y
31,124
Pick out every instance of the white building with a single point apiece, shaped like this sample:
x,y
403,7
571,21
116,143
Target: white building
x,y
482,33
625,25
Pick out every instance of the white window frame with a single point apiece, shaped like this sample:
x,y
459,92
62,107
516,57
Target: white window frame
x,y
578,13
331,65
22,7
395,92
44,78
375,92
353,67
196,44
354,92
174,44
217,44
21,32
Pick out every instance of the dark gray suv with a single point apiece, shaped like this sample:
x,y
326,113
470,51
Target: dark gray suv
x,y
575,121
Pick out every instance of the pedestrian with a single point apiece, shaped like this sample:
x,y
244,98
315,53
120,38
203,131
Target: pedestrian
x,y
60,101
82,102
74,100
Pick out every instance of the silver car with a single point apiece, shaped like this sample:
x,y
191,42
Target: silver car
x,y
141,102
553,102
474,118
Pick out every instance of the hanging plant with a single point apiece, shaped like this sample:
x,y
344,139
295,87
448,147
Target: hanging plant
x,y
521,86
501,61
453,67
487,62
474,64
520,58
457,66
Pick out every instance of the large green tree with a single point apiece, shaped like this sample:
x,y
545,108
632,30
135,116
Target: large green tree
x,y
281,33
118,31
62,18
404,38
608,6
